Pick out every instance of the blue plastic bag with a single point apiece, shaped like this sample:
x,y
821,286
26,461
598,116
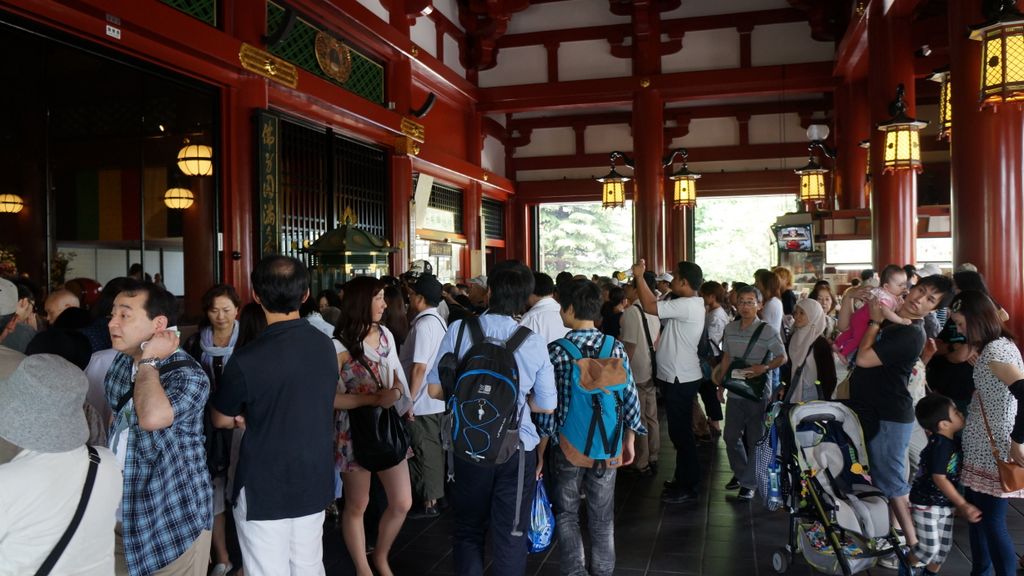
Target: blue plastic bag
x,y
542,521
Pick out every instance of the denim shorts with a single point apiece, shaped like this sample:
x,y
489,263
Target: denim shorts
x,y
887,453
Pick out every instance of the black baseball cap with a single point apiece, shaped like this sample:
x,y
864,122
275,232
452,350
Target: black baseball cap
x,y
427,285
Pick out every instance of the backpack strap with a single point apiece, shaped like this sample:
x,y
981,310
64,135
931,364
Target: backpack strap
x,y
606,347
76,519
434,316
753,340
517,338
476,332
650,342
573,350
165,369
516,532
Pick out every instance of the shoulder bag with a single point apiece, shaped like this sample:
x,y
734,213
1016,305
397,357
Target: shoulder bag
x,y
76,519
752,387
650,342
1011,474
379,437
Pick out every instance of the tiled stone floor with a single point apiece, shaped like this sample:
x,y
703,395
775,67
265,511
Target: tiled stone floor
x,y
715,536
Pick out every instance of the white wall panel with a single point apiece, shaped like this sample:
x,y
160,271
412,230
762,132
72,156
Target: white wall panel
x,y
710,132
787,44
590,59
174,272
375,7
549,142
767,128
450,9
607,138
710,7
451,55
744,165
493,157
525,65
560,15
424,35
570,173
705,50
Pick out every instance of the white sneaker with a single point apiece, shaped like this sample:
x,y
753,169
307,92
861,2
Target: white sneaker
x,y
221,569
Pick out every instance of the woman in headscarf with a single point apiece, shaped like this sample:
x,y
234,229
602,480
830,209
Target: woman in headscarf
x,y
812,367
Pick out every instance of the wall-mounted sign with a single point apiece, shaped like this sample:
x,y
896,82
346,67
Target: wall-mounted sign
x,y
440,249
440,220
334,58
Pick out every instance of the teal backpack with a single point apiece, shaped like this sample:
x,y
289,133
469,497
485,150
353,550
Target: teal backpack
x,y
591,435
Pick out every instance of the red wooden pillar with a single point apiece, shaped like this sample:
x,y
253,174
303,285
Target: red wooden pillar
x,y
853,124
471,201
648,139
893,195
247,19
988,195
400,92
648,191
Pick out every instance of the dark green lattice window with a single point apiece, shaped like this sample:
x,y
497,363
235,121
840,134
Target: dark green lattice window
x,y
494,219
366,78
205,10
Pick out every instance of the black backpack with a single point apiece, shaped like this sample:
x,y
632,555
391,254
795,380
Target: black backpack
x,y
482,393
482,396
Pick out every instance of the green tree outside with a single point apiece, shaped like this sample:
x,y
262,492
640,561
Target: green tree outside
x,y
734,235
584,238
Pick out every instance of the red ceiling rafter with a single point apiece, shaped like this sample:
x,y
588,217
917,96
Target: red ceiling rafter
x,y
715,184
789,79
673,28
713,111
697,154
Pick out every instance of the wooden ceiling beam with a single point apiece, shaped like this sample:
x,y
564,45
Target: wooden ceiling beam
x,y
790,79
714,111
715,184
677,26
697,155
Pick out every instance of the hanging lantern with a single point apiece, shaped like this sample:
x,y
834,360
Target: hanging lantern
x,y
11,203
945,102
812,181
902,144
684,190
195,160
178,198
613,184
1002,55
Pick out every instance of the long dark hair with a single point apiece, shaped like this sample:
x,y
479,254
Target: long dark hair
x,y
395,315
356,317
252,321
981,317
216,291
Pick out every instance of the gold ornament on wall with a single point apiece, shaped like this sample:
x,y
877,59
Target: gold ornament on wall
x,y
334,58
267,65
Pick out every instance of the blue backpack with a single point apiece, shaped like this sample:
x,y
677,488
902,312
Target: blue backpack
x,y
591,435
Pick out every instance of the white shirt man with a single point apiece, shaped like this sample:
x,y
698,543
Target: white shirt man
x,y
426,470
544,316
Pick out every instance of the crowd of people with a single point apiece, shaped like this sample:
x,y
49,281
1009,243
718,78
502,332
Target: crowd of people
x,y
271,411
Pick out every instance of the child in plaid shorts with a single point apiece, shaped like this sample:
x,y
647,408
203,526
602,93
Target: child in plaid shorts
x,y
934,495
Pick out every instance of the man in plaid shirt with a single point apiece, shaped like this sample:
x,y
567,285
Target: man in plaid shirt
x,y
581,305
158,394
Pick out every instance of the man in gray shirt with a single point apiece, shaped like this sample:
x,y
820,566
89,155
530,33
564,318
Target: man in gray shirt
x,y
744,416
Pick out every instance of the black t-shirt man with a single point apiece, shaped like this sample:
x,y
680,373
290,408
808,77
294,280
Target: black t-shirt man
x,y
880,392
284,382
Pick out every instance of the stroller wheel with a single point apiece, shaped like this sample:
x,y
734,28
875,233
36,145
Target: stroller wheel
x,y
780,560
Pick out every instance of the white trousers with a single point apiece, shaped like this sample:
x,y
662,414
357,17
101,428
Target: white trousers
x,y
292,546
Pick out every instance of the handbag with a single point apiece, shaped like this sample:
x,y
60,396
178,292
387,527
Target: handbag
x,y
752,387
379,437
1011,474
76,519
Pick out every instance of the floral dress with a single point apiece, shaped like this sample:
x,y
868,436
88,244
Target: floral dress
x,y
979,471
354,378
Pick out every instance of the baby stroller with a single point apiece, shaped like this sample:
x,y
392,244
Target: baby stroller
x,y
837,519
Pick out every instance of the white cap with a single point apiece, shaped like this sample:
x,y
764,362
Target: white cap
x,y
929,270
8,297
663,277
